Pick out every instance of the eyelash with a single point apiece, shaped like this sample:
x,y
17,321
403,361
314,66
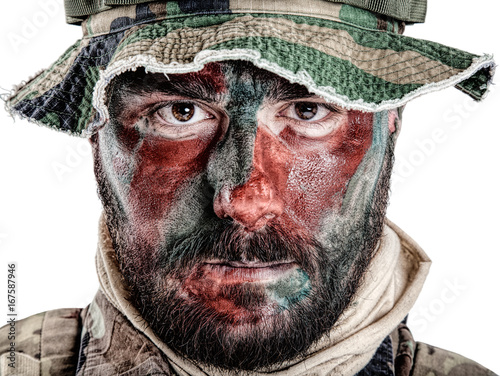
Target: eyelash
x,y
331,108
154,112
158,124
305,128
322,123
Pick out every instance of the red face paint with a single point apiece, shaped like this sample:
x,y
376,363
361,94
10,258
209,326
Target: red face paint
x,y
299,174
321,169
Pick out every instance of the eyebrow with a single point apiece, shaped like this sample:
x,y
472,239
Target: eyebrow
x,y
202,87
282,90
145,84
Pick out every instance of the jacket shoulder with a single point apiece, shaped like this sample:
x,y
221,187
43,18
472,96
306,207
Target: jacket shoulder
x,y
433,361
46,343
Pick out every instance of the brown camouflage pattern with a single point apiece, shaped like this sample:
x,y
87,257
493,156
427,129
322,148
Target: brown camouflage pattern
x,y
105,22
433,361
99,340
112,346
405,351
46,344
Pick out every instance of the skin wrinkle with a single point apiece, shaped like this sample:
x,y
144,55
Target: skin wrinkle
x,y
197,200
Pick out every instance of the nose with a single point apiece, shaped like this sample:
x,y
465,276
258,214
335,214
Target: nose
x,y
252,204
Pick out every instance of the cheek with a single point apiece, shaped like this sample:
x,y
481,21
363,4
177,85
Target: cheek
x,y
164,166
320,176
152,172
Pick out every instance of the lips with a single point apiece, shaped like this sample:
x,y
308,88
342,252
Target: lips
x,y
246,291
235,272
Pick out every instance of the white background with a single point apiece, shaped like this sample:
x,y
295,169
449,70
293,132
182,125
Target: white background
x,y
445,192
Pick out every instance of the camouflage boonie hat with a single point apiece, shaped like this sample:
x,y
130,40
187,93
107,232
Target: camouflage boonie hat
x,y
349,52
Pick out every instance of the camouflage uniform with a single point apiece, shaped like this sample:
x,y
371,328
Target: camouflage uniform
x,y
99,340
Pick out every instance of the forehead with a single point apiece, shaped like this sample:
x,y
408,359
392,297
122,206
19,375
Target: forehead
x,y
213,83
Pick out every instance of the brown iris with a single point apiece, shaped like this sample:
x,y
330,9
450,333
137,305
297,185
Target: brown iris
x,y
183,111
306,110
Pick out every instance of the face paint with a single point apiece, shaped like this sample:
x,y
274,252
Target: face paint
x,y
291,290
250,221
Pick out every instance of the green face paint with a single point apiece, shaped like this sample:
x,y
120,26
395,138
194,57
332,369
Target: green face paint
x,y
246,206
232,161
290,289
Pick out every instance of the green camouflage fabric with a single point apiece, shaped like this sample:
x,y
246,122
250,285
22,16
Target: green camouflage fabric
x,y
348,55
99,340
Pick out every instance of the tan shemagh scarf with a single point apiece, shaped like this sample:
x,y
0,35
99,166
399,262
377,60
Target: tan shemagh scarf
x,y
393,281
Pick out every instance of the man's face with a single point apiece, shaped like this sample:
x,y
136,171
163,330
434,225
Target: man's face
x,y
235,209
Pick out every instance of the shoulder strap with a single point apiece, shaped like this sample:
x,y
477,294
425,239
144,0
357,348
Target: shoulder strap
x,y
45,344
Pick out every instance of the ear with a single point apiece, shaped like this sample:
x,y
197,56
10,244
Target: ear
x,y
395,116
94,144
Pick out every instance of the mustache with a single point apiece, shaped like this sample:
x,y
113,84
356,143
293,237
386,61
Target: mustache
x,y
226,241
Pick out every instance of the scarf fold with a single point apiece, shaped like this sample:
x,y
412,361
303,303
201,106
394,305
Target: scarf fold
x,y
391,286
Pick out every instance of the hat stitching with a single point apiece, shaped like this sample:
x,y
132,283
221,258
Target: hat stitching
x,y
327,35
169,40
80,48
77,106
395,39
323,33
340,37
436,64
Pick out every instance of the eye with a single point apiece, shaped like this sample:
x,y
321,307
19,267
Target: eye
x,y
311,119
182,113
182,120
306,110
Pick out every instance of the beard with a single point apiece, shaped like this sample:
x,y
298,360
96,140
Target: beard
x,y
269,333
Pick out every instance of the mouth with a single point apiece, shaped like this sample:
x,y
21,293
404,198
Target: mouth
x,y
247,290
235,272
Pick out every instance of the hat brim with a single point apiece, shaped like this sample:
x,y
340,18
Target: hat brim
x,y
356,67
